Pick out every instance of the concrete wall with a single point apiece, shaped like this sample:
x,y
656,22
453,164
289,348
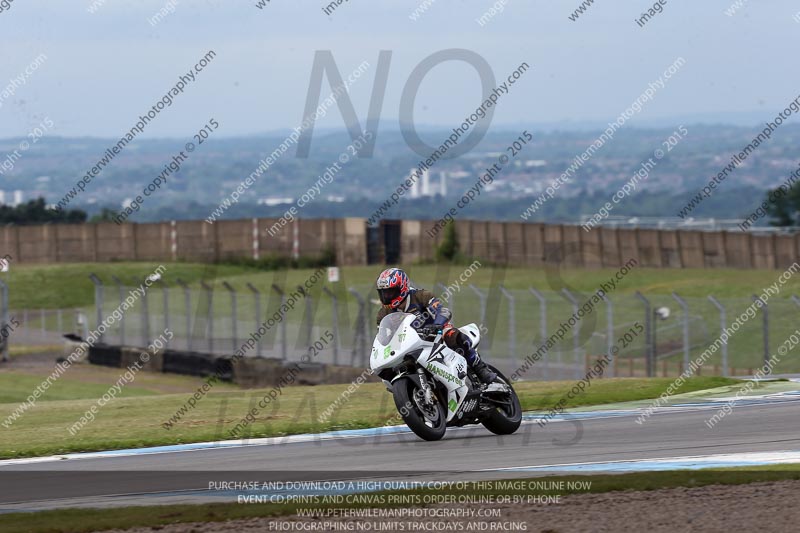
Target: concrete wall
x,y
188,240
512,243
534,245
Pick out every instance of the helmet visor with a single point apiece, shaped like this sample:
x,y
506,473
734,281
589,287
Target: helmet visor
x,y
387,295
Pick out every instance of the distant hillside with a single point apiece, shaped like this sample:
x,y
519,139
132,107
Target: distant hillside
x,y
215,169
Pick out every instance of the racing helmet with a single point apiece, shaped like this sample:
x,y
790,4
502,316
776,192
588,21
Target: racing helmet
x,y
393,287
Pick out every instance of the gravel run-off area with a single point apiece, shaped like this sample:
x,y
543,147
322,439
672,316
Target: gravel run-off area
x,y
763,507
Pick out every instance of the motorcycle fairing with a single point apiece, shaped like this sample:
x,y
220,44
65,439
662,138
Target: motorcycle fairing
x,y
473,333
446,366
395,338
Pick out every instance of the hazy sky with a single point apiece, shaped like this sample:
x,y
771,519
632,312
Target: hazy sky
x,y
105,69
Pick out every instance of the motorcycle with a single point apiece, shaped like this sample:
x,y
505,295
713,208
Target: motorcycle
x,y
433,386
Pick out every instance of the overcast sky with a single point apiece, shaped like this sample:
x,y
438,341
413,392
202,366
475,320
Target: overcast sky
x,y
105,69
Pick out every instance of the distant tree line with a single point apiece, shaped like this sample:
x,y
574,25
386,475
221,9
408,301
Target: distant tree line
x,y
783,205
36,212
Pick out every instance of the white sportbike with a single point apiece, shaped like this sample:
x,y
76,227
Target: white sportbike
x,y
434,387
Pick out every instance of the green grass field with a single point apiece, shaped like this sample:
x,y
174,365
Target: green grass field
x,y
17,386
135,418
86,381
87,520
68,285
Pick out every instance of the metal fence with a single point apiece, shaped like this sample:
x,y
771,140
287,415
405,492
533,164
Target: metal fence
x,y
656,335
42,328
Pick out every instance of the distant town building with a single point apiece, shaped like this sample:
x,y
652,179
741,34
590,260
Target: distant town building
x,y
535,163
424,187
274,200
460,174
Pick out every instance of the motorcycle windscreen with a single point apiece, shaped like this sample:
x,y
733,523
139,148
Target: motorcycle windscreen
x,y
389,326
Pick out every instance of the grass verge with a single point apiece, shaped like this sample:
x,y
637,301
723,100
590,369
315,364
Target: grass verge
x,y
137,422
87,520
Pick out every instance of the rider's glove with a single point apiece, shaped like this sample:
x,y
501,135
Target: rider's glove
x,y
430,331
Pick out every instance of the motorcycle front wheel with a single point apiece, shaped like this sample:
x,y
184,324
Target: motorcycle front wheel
x,y
428,421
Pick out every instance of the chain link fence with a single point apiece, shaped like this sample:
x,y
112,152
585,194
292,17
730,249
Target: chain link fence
x,y
657,335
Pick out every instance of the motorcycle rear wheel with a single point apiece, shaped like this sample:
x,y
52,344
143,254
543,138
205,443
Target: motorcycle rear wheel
x,y
505,420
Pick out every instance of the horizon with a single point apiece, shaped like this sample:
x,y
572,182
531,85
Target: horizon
x,y
655,124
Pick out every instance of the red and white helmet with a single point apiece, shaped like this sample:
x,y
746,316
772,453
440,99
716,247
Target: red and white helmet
x,y
393,287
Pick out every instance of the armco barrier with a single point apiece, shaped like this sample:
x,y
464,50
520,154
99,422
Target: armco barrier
x,y
197,364
130,355
249,372
105,355
258,372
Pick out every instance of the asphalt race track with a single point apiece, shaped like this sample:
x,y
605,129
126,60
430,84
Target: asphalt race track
x,y
597,441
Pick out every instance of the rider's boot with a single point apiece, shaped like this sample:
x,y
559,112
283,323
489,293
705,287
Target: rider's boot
x,y
483,372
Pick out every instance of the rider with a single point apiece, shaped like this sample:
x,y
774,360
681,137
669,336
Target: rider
x,y
396,294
